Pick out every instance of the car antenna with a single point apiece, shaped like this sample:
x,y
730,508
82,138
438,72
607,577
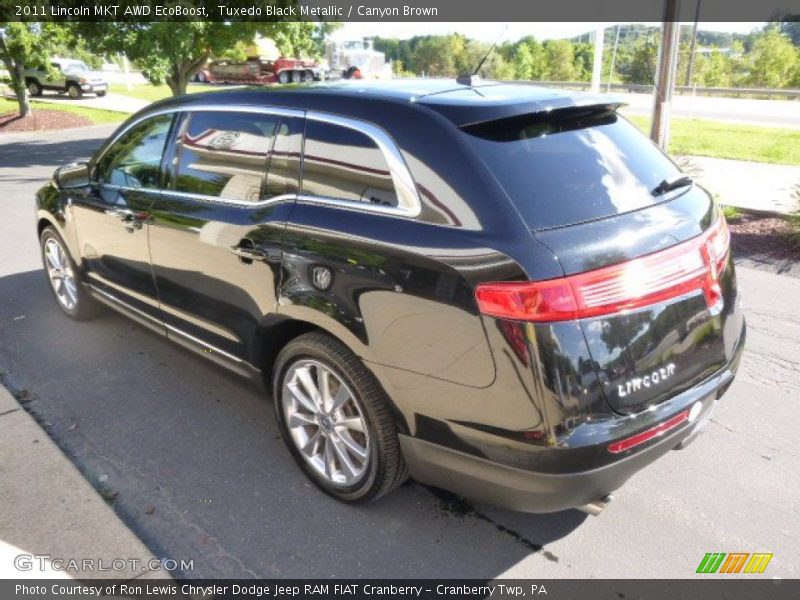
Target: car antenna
x,y
473,78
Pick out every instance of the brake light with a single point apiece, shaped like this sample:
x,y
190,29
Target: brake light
x,y
648,434
694,265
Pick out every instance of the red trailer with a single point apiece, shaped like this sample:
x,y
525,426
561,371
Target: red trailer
x,y
259,71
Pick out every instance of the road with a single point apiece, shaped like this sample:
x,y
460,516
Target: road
x,y
783,114
199,472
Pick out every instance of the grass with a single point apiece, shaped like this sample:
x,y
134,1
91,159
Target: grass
x,y
732,214
95,115
151,93
726,140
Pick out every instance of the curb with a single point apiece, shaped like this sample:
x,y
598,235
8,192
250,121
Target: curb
x,y
49,512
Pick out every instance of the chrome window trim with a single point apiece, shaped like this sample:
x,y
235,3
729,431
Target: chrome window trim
x,y
409,204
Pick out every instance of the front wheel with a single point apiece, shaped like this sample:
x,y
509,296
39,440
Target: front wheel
x,y
335,419
34,89
62,275
101,94
73,91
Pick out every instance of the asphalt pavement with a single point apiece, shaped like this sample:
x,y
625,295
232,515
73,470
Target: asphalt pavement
x,y
191,457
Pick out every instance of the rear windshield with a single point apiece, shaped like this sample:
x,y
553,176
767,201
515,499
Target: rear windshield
x,y
572,165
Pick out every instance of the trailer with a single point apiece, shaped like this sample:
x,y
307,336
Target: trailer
x,y
258,71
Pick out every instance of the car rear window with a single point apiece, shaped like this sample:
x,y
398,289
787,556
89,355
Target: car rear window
x,y
573,165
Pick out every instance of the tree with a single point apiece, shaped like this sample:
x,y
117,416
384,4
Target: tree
x,y
25,45
171,52
772,60
560,60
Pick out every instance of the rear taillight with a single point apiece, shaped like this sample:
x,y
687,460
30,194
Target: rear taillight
x,y
687,267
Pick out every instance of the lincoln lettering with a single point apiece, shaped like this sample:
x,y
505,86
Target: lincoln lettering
x,y
654,378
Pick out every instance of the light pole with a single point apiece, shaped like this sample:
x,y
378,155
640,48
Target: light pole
x,y
665,74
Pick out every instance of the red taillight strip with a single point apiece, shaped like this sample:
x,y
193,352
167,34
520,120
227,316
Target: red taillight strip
x,y
648,434
690,266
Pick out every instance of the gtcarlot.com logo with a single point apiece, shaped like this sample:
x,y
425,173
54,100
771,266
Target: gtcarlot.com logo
x,y
45,562
734,562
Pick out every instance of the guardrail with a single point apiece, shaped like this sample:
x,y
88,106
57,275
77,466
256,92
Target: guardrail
x,y
638,88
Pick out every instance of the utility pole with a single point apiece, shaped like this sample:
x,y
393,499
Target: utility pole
x,y
597,67
665,74
690,66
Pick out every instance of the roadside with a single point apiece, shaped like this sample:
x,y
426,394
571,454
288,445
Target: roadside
x,y
48,116
47,509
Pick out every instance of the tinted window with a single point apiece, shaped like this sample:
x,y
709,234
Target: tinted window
x,y
135,158
224,154
284,163
343,163
572,166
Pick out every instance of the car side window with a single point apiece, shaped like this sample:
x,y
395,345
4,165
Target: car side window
x,y
224,154
134,160
345,164
283,176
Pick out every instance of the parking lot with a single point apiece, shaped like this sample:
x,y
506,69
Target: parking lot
x,y
192,461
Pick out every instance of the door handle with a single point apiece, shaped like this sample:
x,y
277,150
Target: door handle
x,y
249,254
132,219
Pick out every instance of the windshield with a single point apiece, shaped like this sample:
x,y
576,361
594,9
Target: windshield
x,y
572,165
75,67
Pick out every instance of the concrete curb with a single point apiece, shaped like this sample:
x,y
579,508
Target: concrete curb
x,y
49,512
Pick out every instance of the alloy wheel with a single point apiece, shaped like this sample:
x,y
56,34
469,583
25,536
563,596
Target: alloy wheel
x,y
61,275
325,422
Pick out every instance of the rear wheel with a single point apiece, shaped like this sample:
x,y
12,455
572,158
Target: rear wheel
x,y
335,419
297,77
74,91
34,89
283,77
62,275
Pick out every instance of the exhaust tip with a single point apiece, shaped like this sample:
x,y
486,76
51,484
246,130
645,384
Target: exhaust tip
x,y
596,507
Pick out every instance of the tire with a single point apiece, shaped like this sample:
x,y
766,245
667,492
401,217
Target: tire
x,y
82,305
283,77
308,76
34,88
74,91
297,77
100,94
324,436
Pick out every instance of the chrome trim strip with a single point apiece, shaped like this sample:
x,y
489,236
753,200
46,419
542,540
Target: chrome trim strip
x,y
231,201
169,328
409,204
199,342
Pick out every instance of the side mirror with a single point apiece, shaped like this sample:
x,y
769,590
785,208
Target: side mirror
x,y
72,176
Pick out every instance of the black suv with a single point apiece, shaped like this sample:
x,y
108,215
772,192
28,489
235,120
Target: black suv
x,y
501,290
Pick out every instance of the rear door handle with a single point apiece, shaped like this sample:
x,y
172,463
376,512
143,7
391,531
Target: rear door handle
x,y
127,215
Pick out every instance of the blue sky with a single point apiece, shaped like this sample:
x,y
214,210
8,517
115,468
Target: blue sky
x,y
490,31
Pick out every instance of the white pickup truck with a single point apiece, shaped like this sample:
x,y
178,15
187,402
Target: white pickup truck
x,y
66,75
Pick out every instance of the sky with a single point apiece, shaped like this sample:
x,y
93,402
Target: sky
x,y
489,32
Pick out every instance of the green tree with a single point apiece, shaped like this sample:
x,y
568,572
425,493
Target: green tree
x,y
26,45
773,59
432,57
560,60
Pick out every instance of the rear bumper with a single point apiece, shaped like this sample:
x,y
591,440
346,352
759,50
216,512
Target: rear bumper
x,y
510,487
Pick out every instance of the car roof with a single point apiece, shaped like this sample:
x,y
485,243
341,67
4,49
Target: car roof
x,y
459,103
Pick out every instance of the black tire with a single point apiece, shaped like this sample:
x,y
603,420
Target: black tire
x,y
74,91
298,77
385,468
283,77
101,94
34,87
85,307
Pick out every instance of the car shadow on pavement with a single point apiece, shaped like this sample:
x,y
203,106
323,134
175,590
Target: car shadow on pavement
x,y
191,459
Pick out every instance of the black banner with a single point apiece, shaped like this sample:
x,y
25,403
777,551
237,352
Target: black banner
x,y
393,10
732,588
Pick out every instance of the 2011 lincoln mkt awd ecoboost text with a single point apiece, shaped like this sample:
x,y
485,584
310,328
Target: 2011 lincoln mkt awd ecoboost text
x,y
500,290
